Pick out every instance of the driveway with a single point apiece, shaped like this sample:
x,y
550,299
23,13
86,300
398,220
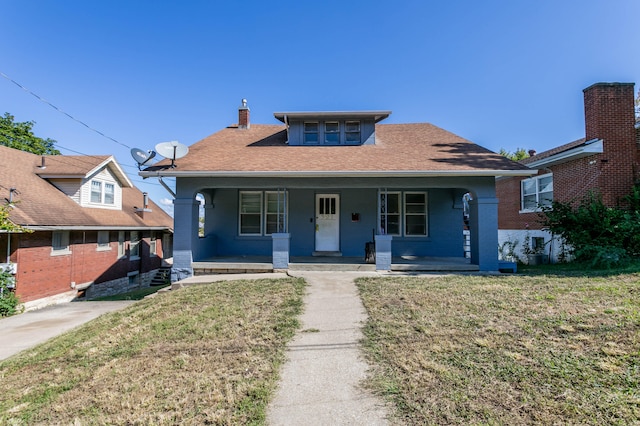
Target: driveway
x,y
24,331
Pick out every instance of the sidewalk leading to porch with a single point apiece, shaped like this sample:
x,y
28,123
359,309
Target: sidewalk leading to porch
x,y
321,380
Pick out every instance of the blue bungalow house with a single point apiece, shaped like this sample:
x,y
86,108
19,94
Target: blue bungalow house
x,y
321,183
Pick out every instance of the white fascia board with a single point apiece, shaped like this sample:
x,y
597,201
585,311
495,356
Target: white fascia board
x,y
113,164
595,147
96,228
326,173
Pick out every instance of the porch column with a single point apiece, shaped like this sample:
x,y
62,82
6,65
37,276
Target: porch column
x,y
483,224
383,252
280,252
185,229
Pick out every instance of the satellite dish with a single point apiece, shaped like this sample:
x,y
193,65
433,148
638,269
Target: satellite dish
x,y
142,157
172,150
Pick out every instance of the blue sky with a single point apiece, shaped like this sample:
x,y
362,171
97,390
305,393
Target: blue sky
x,y
504,74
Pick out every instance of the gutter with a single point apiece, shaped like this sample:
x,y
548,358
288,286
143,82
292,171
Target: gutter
x,y
345,174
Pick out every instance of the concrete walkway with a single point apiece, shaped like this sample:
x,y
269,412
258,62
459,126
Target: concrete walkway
x,y
23,331
320,382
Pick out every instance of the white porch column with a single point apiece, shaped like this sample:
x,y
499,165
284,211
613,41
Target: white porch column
x,y
185,229
280,251
383,252
483,224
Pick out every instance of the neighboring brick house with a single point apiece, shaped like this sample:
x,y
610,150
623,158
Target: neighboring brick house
x,y
605,161
94,233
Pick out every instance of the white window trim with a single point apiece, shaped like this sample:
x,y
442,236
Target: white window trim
x,y
405,214
122,252
103,247
132,245
284,196
400,215
62,250
259,234
153,245
535,179
103,186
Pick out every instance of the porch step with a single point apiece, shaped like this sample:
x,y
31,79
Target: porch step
x,y
212,268
327,254
162,276
406,267
331,267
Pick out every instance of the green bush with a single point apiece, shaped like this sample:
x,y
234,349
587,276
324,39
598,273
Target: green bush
x,y
8,299
600,236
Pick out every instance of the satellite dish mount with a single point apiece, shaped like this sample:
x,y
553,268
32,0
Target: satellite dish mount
x,y
142,157
172,150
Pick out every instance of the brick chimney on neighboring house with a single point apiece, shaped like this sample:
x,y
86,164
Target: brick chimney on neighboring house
x,y
243,116
609,115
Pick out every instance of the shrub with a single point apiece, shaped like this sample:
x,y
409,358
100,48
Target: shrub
x,y
8,299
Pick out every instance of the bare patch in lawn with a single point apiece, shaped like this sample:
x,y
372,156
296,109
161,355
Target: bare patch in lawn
x,y
204,354
506,350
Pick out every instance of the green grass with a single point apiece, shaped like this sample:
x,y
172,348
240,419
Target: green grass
x,y
206,354
515,349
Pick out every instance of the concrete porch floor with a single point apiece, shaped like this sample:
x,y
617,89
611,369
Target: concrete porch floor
x,y
254,264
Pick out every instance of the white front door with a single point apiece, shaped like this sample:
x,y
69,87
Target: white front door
x,y
327,222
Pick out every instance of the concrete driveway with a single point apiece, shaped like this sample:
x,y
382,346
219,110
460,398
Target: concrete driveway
x,y
24,331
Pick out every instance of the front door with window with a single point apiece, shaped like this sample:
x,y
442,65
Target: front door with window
x,y
327,222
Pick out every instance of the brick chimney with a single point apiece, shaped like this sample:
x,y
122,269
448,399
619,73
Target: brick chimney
x,y
243,116
609,115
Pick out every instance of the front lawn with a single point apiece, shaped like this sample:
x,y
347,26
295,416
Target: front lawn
x,y
513,349
207,354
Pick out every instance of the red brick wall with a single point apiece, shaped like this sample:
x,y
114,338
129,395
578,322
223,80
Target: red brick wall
x,y
509,216
42,275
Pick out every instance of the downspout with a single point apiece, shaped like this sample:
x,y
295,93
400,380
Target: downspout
x,y
169,190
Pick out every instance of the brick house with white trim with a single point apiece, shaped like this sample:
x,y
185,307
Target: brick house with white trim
x,y
606,161
93,232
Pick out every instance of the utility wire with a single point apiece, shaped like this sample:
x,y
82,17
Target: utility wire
x,y
61,111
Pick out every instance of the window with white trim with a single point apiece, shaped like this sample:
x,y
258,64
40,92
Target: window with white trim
x,y
60,242
250,213
390,213
153,244
121,241
134,245
415,213
274,212
536,192
102,192
103,240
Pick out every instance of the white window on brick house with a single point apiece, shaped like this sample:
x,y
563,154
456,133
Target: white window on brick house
x,y
103,240
536,193
153,245
60,242
121,241
134,245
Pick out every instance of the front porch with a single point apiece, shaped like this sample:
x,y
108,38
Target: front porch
x,y
258,264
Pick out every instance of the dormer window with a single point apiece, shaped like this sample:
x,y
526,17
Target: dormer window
x,y
310,132
332,132
352,131
102,192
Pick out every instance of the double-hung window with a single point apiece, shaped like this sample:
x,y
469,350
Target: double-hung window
x,y
390,213
352,131
102,192
537,192
103,240
134,245
332,132
311,132
250,213
96,191
262,213
415,213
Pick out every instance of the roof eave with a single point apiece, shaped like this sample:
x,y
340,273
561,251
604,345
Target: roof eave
x,y
585,150
94,228
301,115
345,173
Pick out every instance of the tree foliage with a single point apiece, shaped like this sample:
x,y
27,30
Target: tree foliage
x,y
20,136
519,154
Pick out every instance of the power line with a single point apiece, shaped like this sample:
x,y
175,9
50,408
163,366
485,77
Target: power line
x,y
61,111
